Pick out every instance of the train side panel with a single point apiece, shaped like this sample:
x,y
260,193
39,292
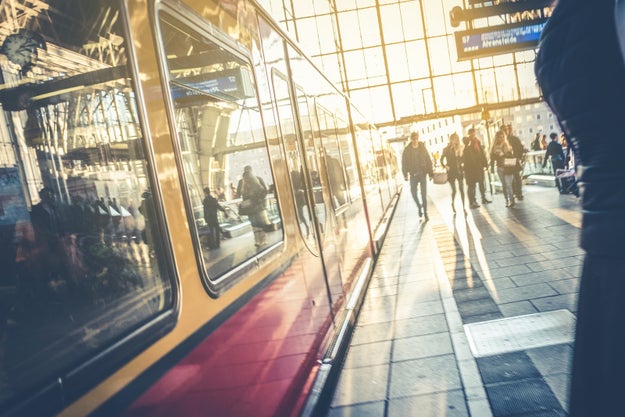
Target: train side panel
x,y
136,285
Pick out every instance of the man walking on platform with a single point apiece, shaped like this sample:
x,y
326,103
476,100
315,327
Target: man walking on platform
x,y
475,163
555,151
416,166
519,154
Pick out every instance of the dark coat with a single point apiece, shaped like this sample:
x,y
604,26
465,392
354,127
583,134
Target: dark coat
x,y
582,76
581,72
517,146
555,151
211,205
454,162
474,160
416,161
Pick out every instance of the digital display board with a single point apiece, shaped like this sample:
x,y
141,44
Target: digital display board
x,y
496,40
234,83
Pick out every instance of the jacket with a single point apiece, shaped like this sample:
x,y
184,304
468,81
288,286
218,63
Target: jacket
x,y
416,161
474,160
498,155
580,70
555,151
454,162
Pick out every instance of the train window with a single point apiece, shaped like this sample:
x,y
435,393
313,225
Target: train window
x,y
82,266
348,157
331,156
294,159
234,213
310,134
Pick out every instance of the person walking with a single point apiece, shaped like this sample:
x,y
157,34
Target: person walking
x,y
416,167
555,151
535,145
451,159
589,104
211,206
252,191
519,154
474,160
503,158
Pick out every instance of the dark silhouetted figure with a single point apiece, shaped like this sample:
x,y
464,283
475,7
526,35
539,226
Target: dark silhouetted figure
x,y
211,206
581,73
416,166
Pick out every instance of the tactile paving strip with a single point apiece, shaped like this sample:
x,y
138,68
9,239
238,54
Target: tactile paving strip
x,y
512,334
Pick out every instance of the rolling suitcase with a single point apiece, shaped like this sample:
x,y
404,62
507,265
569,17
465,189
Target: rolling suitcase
x,y
566,181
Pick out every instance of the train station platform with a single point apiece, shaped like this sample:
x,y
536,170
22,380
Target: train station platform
x,y
468,315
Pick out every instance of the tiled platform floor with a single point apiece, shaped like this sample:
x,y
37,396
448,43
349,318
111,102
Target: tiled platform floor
x,y
410,355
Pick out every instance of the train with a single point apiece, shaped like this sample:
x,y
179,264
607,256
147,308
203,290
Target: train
x,y
190,211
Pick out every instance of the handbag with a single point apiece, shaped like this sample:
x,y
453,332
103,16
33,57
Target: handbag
x,y
439,177
245,208
510,162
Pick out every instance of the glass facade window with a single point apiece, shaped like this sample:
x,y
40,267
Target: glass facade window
x,y
406,26
397,55
380,98
350,37
440,61
305,8
374,63
314,44
332,69
368,23
325,30
392,24
417,59
357,69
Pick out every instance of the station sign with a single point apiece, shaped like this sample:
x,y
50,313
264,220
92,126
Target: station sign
x,y
495,40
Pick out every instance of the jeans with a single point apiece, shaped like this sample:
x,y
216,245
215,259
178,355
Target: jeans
x,y
517,183
473,181
506,183
416,182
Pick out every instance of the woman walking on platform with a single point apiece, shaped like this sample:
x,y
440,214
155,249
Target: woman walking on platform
x,y
502,156
452,161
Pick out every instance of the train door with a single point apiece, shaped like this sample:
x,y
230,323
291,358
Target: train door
x,y
309,132
328,140
310,215
281,126
295,162
332,173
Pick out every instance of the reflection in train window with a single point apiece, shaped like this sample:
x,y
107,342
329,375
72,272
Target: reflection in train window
x,y
225,163
294,159
309,133
331,156
79,243
347,155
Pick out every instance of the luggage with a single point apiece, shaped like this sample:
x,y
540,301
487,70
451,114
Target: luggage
x,y
566,181
439,177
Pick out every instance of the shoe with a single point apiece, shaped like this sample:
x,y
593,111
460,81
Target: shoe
x,y
507,203
420,213
425,217
474,205
512,202
519,197
486,201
